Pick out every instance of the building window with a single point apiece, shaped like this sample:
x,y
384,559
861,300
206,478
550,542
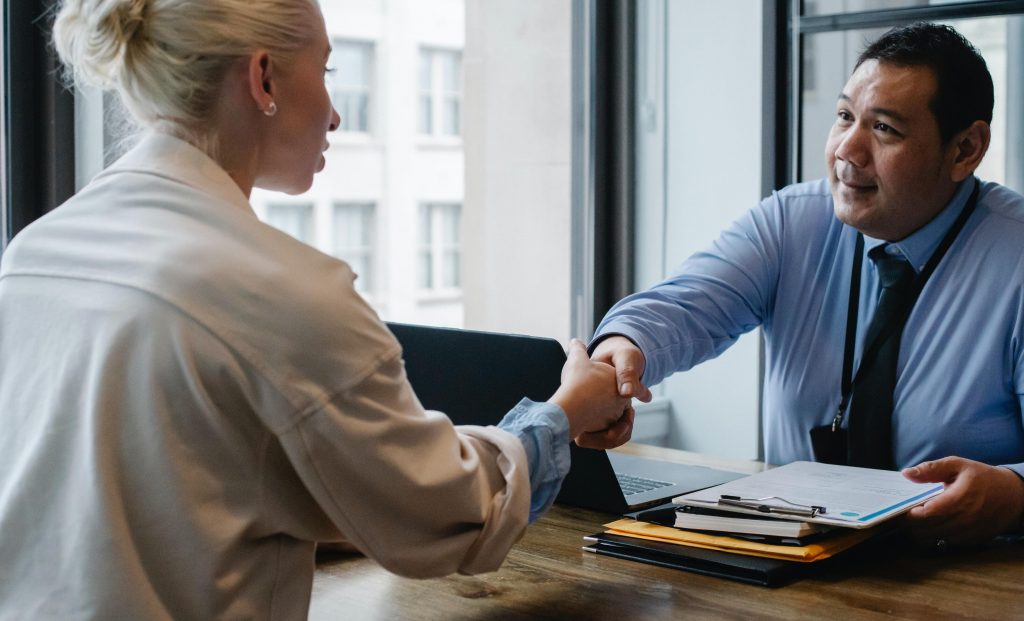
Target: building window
x,y
350,84
440,250
440,99
353,240
296,219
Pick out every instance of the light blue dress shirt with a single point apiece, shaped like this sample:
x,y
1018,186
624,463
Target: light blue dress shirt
x,y
544,431
786,266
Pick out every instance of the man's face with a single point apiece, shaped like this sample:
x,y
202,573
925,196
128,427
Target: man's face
x,y
889,172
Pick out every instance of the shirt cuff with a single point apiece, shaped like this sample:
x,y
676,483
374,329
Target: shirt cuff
x,y
543,429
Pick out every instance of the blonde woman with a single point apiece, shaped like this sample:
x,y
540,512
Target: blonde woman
x,y
191,399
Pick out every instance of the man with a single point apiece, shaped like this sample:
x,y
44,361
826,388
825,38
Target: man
x,y
934,383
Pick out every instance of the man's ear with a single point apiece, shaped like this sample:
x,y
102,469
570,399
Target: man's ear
x,y
261,80
968,148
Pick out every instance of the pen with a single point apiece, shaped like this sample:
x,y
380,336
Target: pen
x,y
757,505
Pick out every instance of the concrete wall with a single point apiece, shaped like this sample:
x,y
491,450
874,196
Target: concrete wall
x,y
518,145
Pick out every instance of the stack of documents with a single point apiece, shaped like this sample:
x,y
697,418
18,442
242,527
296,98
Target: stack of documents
x,y
763,528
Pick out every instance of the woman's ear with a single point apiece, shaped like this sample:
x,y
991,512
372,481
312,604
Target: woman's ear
x,y
968,149
261,82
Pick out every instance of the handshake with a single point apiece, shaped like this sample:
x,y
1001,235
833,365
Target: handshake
x,y
597,392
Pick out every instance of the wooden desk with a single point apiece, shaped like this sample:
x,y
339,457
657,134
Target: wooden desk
x,y
548,576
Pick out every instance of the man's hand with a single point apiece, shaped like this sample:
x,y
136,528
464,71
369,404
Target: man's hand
x,y
598,416
980,502
629,362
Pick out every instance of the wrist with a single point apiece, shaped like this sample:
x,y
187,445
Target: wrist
x,y
1016,488
568,407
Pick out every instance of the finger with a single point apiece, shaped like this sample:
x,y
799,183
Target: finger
x,y
949,502
938,471
930,514
626,372
615,435
577,351
644,394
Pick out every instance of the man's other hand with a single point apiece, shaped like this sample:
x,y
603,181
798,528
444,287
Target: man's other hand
x,y
979,502
628,361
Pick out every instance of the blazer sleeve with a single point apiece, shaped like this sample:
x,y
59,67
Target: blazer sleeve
x,y
410,490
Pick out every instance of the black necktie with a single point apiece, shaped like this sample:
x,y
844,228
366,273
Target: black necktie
x,y
870,428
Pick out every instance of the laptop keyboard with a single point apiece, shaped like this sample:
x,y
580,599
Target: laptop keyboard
x,y
634,485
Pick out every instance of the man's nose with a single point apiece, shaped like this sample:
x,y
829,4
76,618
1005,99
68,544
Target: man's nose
x,y
853,146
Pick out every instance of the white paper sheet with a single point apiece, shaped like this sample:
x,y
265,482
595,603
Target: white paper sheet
x,y
852,497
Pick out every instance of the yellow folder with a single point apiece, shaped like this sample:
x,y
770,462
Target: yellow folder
x,y
812,552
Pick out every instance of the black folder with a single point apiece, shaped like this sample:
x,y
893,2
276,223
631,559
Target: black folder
x,y
750,569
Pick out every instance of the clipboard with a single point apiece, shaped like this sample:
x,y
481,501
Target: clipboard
x,y
836,495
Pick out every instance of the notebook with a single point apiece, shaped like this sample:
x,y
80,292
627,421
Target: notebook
x,y
750,569
477,377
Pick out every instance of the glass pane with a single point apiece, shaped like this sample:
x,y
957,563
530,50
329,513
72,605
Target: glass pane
x,y
828,7
698,169
296,220
426,271
426,60
352,227
450,224
451,117
350,62
350,83
829,63
353,110
450,78
519,98
451,269
426,115
426,228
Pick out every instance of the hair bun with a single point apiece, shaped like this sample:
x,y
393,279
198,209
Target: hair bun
x,y
97,38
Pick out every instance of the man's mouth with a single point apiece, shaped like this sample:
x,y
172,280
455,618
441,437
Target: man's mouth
x,y
856,185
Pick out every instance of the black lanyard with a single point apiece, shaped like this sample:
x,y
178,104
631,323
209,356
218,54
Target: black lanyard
x,y
850,381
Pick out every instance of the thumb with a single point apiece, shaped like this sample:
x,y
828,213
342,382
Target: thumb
x,y
938,471
626,374
577,350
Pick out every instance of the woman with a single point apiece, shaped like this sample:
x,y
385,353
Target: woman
x,y
190,399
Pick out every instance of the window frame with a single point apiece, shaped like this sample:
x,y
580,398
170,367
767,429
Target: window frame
x,y
366,284
308,221
437,95
370,63
38,117
436,248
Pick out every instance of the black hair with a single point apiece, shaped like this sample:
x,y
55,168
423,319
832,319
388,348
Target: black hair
x,y
964,86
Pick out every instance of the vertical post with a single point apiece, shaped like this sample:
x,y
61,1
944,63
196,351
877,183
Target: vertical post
x,y
39,118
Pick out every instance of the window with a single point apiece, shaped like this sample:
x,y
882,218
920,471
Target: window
x,y
440,97
353,240
514,112
440,253
350,83
294,219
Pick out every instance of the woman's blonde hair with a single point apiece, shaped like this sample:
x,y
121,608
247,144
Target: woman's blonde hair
x,y
167,58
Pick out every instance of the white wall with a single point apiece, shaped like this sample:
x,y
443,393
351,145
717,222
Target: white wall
x,y
711,174
518,147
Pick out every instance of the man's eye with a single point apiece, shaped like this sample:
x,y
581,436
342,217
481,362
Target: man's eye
x,y
843,115
886,129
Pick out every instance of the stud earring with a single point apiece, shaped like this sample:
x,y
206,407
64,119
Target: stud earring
x,y
271,109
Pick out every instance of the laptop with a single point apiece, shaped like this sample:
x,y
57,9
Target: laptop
x,y
477,377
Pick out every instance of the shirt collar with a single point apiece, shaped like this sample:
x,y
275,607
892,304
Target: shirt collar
x,y
166,156
919,246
